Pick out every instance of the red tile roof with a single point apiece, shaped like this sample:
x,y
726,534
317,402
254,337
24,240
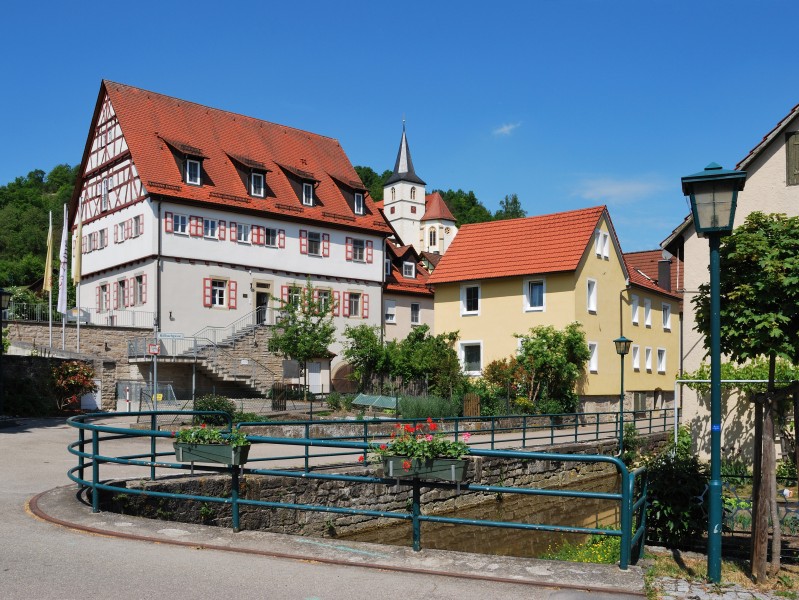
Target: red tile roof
x,y
436,208
396,282
152,123
643,271
533,245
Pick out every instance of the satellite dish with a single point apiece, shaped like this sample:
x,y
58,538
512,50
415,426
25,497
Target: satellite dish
x,y
667,255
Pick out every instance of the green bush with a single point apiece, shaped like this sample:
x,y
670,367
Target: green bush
x,y
334,401
421,407
786,472
599,549
735,471
246,417
675,514
632,443
214,402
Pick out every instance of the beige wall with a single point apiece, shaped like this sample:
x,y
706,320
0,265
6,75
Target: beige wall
x,y
401,327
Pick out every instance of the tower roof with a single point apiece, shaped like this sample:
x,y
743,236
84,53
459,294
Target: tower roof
x,y
403,168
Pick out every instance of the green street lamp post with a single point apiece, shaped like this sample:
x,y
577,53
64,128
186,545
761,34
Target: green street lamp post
x,y
714,195
622,349
5,297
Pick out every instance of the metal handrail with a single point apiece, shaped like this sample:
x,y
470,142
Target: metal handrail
x,y
258,317
626,497
112,317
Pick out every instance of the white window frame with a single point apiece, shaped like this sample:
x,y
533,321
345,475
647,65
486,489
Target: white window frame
x,y
325,299
122,286
358,250
634,303
416,312
647,312
105,298
180,224
391,311
104,202
219,290
138,288
387,266
666,311
358,203
408,270
462,355
661,360
432,237
526,289
190,179
257,184
602,244
591,295
138,225
307,194
210,229
120,232
243,233
103,241
464,288
314,237
355,301
636,357
270,237
593,358
648,358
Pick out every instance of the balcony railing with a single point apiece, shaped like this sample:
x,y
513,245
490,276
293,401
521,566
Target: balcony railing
x,y
40,313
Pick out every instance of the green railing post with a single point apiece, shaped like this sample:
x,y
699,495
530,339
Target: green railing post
x,y
307,448
416,512
153,425
493,429
626,520
95,471
642,515
524,431
597,416
82,448
234,496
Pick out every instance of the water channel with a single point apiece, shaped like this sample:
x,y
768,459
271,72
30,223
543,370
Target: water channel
x,y
576,512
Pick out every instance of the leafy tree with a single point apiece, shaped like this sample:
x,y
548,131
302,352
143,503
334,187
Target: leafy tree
x,y
373,182
552,361
304,328
72,379
465,207
364,351
759,318
422,355
510,208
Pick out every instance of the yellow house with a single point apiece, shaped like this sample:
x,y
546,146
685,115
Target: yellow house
x,y
501,278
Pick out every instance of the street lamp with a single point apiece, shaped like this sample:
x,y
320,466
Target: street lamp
x,y
622,349
714,195
5,298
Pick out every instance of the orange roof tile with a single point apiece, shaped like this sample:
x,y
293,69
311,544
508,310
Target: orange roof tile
x,y
152,123
533,245
643,271
436,208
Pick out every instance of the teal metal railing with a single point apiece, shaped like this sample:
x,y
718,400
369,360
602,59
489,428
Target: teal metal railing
x,y
99,449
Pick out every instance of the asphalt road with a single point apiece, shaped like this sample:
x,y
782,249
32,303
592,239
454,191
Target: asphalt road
x,y
39,559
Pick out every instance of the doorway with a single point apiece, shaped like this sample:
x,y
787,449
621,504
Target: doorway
x,y
261,307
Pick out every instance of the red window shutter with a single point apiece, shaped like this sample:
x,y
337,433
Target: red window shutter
x,y
107,237
83,245
325,244
144,289
316,295
116,234
128,229
234,289
98,298
220,228
195,226
345,310
257,235
369,251
141,224
281,238
336,303
349,248
207,291
365,309
116,294
284,294
303,241
129,296
233,233
168,227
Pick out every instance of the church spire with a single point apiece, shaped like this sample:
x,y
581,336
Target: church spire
x,y
403,168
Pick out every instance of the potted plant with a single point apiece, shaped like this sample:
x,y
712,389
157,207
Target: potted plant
x,y
421,451
207,444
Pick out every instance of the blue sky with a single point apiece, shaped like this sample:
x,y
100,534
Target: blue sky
x,y
566,103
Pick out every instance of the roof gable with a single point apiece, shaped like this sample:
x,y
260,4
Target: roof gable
x,y
533,245
436,208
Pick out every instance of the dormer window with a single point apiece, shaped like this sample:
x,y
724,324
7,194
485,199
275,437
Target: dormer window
x,y
409,270
193,172
257,184
307,194
358,203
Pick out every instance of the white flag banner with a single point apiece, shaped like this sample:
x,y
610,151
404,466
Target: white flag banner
x,y
62,271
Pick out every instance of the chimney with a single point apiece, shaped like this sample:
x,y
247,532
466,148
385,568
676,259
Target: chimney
x,y
664,274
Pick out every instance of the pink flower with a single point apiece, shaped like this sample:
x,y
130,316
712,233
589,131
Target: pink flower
x,y
429,437
466,436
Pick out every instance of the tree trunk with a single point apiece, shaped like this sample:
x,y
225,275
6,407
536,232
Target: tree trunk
x,y
770,462
759,539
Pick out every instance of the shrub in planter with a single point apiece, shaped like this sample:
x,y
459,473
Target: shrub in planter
x,y
72,379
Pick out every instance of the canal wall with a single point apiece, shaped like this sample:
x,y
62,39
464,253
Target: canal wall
x,y
532,473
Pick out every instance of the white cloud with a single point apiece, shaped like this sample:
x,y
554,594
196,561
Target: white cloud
x,y
617,191
507,128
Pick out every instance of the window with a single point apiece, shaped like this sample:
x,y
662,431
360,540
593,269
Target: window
x,y
354,304
243,233
270,237
661,360
193,172
218,288
138,225
219,293
139,290
648,358
413,209
593,359
602,244
358,250
180,224
534,295
471,357
393,195
387,264
408,270
358,204
634,306
307,194
314,243
470,300
636,354
103,238
391,311
591,293
666,316
413,193
323,299
432,237
792,158
105,202
295,296
119,232
102,298
121,294
647,312
639,401
415,309
257,184
210,228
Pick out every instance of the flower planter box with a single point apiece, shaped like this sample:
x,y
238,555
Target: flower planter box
x,y
445,469
211,453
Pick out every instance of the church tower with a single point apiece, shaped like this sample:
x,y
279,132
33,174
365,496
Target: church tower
x,y
404,196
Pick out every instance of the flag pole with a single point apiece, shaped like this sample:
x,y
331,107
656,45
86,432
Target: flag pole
x,y
48,277
77,259
62,279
